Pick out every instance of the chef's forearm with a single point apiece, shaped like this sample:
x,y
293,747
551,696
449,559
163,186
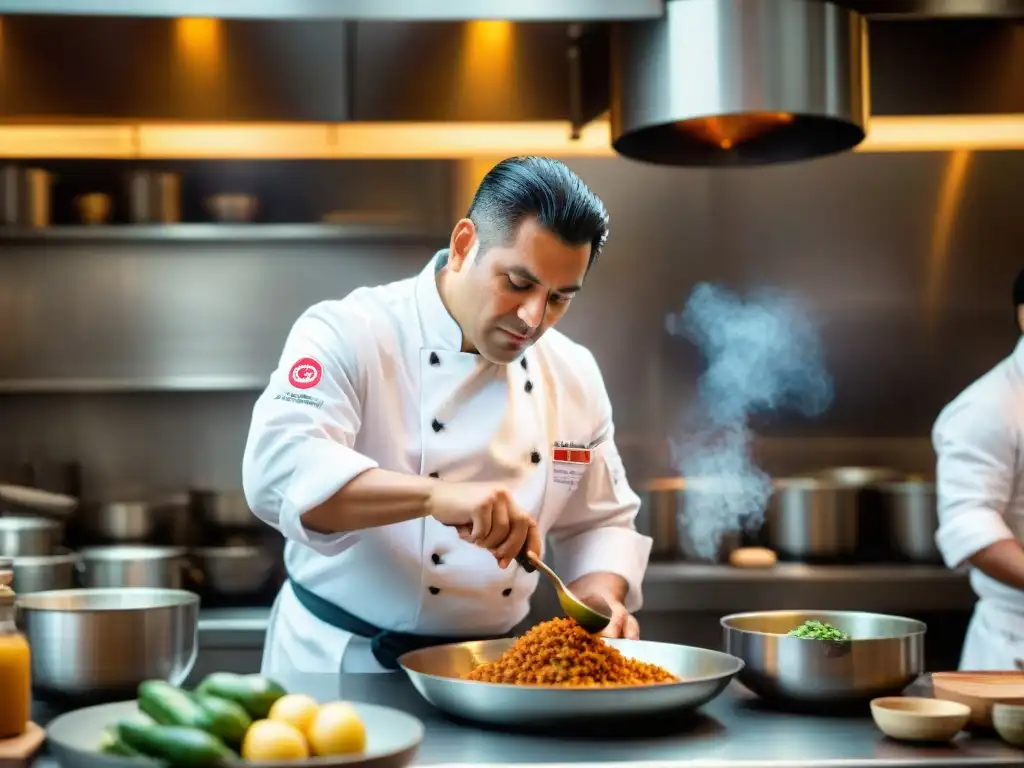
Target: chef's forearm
x,y
1002,561
374,498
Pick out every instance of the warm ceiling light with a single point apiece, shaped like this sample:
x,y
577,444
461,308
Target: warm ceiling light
x,y
399,140
944,133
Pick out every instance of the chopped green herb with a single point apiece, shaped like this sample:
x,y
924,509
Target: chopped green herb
x,y
817,630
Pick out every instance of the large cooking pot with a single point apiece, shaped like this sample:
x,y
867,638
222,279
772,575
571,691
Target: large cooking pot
x,y
42,573
92,645
912,520
133,566
833,515
29,536
812,520
664,515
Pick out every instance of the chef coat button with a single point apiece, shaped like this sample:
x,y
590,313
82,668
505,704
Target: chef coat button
x,y
433,590
436,558
506,592
535,457
528,387
434,359
522,362
436,425
434,475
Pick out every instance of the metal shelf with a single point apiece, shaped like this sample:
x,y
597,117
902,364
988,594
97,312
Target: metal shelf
x,y
223,233
129,385
671,586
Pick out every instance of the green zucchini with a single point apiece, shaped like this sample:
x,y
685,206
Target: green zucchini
x,y
255,693
170,705
178,745
227,720
111,744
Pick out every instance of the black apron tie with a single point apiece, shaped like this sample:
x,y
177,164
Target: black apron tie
x,y
387,646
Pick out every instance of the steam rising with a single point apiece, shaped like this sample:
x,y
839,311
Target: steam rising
x,y
762,355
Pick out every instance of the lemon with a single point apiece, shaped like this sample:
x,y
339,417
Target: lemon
x,y
274,740
295,709
337,729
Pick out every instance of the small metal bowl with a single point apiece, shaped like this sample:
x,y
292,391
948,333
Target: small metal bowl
x,y
884,655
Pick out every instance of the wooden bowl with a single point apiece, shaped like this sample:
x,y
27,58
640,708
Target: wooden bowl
x,y
980,691
1008,720
909,718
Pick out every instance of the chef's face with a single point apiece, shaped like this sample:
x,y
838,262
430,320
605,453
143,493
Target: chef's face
x,y
510,294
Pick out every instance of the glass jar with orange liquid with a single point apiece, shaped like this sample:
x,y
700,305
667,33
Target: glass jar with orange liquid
x,y
15,663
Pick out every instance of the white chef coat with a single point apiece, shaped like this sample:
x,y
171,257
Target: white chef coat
x,y
977,439
391,388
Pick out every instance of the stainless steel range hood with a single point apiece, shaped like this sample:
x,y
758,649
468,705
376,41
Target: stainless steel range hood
x,y
740,82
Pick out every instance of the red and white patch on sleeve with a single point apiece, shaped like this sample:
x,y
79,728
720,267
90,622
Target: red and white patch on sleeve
x,y
306,373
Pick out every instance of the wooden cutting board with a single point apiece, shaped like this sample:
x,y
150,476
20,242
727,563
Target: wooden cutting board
x,y
19,751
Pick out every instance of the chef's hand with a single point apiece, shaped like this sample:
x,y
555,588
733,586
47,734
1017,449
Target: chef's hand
x,y
485,514
606,589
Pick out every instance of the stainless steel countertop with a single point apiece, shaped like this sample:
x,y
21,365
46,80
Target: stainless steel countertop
x,y
734,730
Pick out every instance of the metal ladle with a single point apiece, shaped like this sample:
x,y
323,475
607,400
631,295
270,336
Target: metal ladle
x,y
593,618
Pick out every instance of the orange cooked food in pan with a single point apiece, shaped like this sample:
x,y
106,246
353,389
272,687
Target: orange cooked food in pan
x,y
560,652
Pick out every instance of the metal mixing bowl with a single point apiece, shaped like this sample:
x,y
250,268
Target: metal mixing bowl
x,y
99,644
884,655
437,672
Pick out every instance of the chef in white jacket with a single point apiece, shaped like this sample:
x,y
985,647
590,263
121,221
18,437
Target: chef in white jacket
x,y
417,436
978,439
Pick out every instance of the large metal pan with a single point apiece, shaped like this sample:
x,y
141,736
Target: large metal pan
x,y
884,655
437,674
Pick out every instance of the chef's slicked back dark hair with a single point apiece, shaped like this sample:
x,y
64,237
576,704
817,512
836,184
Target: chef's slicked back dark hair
x,y
1018,290
520,188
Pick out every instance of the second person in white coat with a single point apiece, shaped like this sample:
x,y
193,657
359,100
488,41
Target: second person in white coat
x,y
416,436
979,440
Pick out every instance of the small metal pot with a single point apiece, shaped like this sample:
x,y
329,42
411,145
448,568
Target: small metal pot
x,y
231,207
137,521
29,536
813,520
660,501
41,573
133,566
223,509
154,197
912,518
232,571
26,196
